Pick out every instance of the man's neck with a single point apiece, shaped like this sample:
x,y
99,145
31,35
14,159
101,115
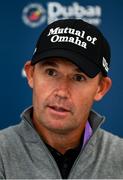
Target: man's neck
x,y
62,143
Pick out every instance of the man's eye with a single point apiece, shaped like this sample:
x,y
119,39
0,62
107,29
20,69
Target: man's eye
x,y
51,72
78,77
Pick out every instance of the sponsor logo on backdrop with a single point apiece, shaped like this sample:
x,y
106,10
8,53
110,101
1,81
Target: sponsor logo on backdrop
x,y
89,13
34,14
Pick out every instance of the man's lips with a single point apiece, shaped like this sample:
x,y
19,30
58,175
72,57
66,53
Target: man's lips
x,y
59,109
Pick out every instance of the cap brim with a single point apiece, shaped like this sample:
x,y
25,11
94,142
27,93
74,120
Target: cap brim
x,y
85,65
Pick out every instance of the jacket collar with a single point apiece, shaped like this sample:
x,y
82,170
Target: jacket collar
x,y
31,135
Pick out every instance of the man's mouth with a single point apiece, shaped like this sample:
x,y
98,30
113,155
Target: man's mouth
x,y
59,109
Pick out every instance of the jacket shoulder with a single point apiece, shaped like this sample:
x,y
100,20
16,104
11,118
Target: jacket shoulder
x,y
109,138
110,145
8,135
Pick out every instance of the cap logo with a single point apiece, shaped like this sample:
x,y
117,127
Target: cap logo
x,y
79,37
105,64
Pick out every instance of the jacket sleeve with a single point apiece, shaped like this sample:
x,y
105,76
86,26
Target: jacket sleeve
x,y
2,173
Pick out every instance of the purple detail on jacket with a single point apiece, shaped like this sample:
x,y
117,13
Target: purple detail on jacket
x,y
87,134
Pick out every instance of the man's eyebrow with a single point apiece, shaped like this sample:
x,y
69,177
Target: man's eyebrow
x,y
78,70
49,63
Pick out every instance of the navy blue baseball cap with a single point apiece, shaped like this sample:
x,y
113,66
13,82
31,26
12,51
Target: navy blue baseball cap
x,y
78,41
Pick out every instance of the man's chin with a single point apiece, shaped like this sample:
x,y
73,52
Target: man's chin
x,y
59,126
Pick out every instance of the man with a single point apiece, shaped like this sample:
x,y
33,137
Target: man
x,y
60,136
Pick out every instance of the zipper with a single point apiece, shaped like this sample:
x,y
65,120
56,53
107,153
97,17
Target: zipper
x,y
52,160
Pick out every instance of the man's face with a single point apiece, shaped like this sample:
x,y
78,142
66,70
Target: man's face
x,y
62,95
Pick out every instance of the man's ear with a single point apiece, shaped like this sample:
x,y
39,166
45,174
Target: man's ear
x,y
104,86
29,70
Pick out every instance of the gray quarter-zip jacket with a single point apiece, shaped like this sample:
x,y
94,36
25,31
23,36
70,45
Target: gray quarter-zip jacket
x,y
23,154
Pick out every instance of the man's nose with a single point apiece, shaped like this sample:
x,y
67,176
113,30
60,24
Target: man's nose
x,y
63,88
